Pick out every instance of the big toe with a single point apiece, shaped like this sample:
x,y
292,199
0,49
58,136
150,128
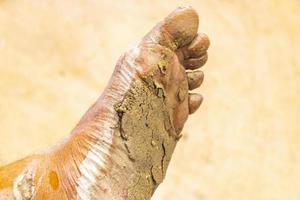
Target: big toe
x,y
182,25
178,29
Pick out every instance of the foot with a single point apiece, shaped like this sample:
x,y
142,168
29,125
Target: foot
x,y
122,146
149,91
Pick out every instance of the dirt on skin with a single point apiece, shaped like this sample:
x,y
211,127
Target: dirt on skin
x,y
144,126
24,187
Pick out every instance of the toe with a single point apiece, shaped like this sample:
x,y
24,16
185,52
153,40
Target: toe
x,y
195,79
195,63
182,25
177,30
199,46
195,101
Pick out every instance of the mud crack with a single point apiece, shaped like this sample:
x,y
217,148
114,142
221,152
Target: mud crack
x,y
144,124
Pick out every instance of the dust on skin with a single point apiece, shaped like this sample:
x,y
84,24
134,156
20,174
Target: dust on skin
x,y
18,180
144,123
24,187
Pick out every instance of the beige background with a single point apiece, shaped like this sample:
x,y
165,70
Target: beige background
x,y
56,57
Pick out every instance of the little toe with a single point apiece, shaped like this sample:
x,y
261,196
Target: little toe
x,y
195,79
195,101
199,46
195,63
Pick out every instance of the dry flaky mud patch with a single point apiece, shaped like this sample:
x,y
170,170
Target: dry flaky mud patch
x,y
141,115
55,58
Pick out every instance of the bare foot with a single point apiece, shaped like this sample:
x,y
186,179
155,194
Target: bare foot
x,y
122,146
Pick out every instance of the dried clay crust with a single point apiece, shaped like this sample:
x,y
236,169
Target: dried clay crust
x,y
144,129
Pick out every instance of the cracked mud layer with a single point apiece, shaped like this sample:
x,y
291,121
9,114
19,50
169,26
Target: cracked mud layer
x,y
24,186
144,125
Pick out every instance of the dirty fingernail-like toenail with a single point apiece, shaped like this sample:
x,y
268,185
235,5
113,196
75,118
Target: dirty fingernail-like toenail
x,y
195,63
199,45
195,101
195,79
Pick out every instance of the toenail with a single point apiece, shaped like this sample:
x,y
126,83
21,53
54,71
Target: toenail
x,y
195,63
195,79
195,100
199,46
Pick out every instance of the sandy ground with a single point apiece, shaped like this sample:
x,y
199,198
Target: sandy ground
x,y
56,57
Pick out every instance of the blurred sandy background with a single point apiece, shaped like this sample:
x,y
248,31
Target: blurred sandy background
x,y
57,56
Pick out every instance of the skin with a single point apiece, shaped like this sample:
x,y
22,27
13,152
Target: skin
x,y
158,66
